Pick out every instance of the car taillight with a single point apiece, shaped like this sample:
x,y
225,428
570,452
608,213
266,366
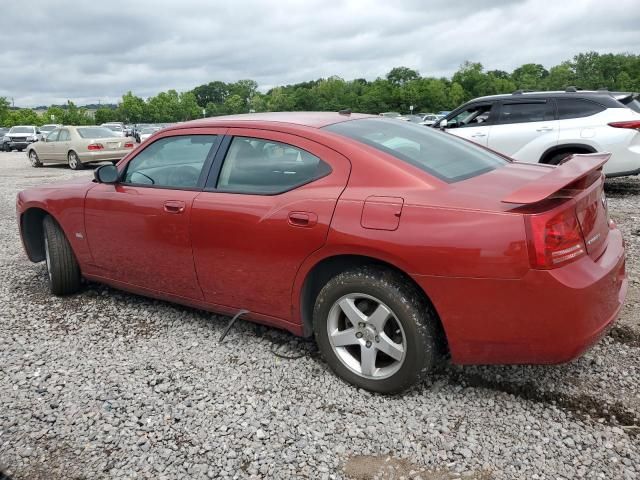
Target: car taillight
x,y
633,124
95,146
554,239
128,145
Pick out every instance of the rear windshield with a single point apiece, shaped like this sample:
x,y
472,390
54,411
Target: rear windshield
x,y
22,130
439,154
631,102
95,132
115,128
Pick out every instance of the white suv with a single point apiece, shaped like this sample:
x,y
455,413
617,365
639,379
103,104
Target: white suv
x,y
546,127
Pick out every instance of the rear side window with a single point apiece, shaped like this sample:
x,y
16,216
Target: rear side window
x,y
171,162
526,112
576,108
265,167
444,156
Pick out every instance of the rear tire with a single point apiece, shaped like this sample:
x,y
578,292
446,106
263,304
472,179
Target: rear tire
x,y
74,161
385,356
33,158
62,266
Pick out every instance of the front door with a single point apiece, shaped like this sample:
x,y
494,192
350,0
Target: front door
x,y
139,229
267,210
472,123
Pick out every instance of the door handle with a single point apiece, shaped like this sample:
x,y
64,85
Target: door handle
x,y
302,219
479,135
544,129
174,206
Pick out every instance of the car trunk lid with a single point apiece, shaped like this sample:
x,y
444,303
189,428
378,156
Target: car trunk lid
x,y
579,179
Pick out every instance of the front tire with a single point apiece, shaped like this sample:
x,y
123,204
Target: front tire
x,y
74,161
375,329
34,160
62,266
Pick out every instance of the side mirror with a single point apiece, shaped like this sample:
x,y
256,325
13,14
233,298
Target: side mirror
x,y
443,123
106,174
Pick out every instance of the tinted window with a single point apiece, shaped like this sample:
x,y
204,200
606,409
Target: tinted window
x,y
576,108
171,162
267,167
64,136
526,112
444,156
472,116
95,132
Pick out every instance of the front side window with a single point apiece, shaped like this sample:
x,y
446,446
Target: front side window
x,y
473,116
53,136
64,136
526,112
171,162
576,108
264,167
446,157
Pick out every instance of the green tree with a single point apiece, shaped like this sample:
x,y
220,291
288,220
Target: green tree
x,y
401,75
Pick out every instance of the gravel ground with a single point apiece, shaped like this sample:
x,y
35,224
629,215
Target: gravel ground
x,y
104,384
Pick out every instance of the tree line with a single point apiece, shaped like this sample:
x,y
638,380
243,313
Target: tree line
x,y
397,91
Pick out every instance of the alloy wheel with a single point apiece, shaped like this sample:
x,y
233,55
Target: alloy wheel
x,y
366,336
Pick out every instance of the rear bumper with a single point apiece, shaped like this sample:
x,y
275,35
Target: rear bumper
x,y
103,155
545,317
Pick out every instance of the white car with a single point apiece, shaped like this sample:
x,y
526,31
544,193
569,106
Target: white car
x,y
116,128
147,132
546,127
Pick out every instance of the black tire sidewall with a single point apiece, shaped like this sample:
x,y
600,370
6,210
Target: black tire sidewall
x,y
410,312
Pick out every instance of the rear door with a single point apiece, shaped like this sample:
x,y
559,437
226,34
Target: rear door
x,y
267,206
525,129
63,145
473,122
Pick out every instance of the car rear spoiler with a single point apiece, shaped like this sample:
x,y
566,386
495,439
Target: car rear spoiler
x,y
574,168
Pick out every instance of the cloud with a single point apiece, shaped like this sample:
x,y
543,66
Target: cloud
x,y
91,51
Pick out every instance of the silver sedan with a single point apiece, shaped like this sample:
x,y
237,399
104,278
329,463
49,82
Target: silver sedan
x,y
79,145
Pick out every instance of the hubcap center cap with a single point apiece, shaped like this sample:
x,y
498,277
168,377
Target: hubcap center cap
x,y
369,333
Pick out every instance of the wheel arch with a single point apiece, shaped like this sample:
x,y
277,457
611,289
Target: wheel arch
x,y
32,233
328,267
568,148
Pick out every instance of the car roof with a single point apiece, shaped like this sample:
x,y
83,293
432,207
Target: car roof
x,y
307,119
604,96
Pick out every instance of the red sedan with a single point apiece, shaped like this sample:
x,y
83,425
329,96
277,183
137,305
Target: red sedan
x,y
392,243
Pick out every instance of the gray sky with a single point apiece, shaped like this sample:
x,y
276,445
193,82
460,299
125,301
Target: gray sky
x,y
87,51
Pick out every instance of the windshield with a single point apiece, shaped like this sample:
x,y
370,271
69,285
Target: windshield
x,y
446,157
47,128
22,130
149,131
95,132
